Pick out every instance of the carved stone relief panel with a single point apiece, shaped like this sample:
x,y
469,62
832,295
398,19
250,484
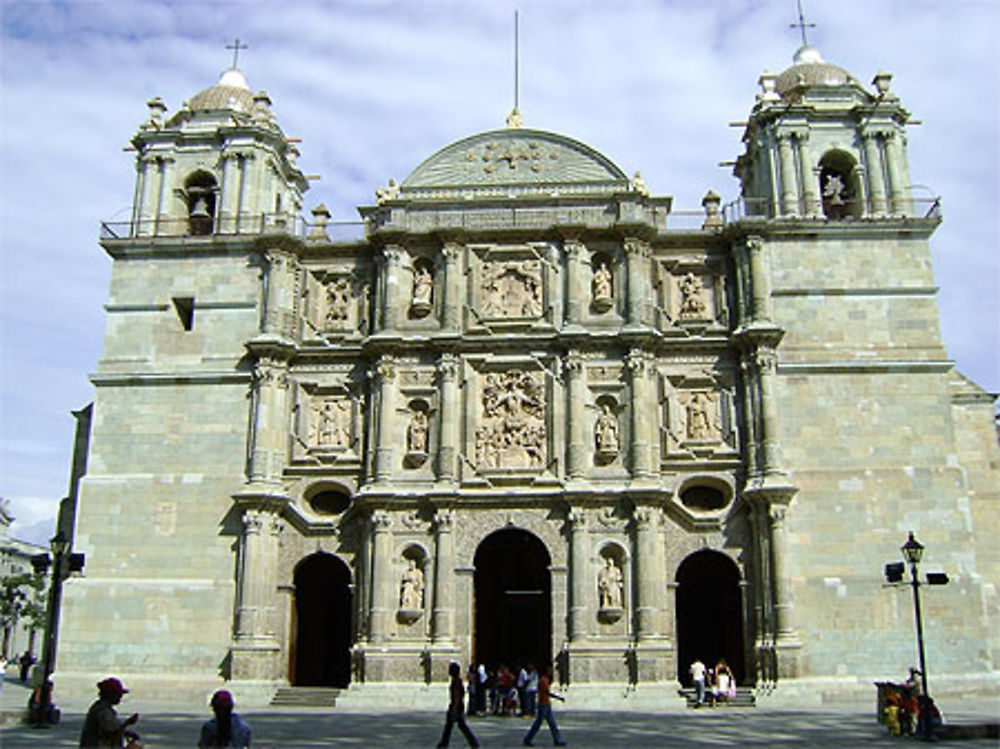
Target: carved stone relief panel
x,y
336,302
418,388
511,425
691,294
509,283
325,418
699,415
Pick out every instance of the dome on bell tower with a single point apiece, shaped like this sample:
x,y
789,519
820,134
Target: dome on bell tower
x,y
810,69
231,92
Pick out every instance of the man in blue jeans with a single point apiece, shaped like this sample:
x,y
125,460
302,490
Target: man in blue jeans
x,y
545,695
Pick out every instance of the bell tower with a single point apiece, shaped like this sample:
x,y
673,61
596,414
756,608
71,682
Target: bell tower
x,y
819,145
219,165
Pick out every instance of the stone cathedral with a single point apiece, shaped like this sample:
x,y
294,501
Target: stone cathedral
x,y
527,413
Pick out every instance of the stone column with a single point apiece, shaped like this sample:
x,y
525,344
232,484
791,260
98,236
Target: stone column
x,y
384,377
644,414
876,180
142,225
767,364
894,164
789,189
241,193
443,622
452,321
650,565
750,409
760,280
228,193
576,456
448,418
255,647
282,298
393,300
782,582
580,577
381,581
576,281
269,419
808,178
640,291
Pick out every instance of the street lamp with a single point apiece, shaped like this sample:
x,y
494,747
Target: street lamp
x,y
913,552
63,563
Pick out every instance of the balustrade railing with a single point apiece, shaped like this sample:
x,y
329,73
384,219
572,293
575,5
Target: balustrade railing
x,y
227,226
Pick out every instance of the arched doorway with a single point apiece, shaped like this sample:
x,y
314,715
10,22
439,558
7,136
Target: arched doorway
x,y
709,614
513,600
320,655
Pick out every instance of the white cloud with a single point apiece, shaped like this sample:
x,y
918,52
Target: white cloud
x,y
373,88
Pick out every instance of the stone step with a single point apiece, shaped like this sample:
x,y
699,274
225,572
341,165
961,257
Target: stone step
x,y
744,698
305,697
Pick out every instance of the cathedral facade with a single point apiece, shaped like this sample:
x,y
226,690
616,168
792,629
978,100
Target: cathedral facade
x,y
524,416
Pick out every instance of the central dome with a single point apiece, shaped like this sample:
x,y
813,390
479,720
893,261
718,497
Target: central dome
x,y
515,159
810,69
231,92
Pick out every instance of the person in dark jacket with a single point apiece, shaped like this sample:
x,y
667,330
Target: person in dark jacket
x,y
456,714
102,729
226,728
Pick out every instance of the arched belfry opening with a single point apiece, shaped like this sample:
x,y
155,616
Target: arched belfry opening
x,y
320,649
200,191
840,186
709,614
513,600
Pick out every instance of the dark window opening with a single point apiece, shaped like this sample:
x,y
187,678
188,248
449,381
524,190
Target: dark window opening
x,y
329,502
703,498
185,311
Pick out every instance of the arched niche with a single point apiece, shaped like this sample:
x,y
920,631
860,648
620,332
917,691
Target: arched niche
x,y
840,185
200,193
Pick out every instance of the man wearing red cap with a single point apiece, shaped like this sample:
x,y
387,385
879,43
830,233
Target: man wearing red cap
x,y
102,728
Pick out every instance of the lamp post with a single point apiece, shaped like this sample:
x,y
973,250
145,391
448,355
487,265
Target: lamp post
x,y
913,552
63,562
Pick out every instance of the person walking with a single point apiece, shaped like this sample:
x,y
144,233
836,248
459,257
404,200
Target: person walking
x,y
456,714
698,674
226,728
545,697
101,728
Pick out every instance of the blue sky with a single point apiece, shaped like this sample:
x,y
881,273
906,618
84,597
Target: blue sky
x,y
373,88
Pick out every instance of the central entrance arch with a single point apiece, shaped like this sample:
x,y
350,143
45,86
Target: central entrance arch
x,y
320,653
709,614
513,600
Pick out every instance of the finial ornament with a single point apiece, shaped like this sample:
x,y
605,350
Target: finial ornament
x,y
514,119
802,25
236,47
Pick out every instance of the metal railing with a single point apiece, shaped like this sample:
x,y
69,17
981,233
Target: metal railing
x,y
229,226
848,210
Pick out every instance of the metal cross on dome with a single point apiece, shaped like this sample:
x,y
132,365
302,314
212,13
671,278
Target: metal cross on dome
x,y
236,47
802,25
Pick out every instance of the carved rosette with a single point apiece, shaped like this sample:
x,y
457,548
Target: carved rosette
x,y
512,430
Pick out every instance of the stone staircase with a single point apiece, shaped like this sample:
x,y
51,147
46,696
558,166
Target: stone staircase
x,y
305,697
744,698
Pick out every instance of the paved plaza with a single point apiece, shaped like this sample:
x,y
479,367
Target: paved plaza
x,y
844,726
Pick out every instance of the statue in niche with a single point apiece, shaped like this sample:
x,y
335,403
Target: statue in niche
x,y
699,418
609,585
601,287
512,433
411,589
338,301
606,431
416,433
423,286
834,189
692,303
330,423
512,289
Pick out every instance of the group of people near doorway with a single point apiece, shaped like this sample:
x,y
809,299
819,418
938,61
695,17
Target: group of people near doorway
x,y
102,728
530,693
502,692
712,685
